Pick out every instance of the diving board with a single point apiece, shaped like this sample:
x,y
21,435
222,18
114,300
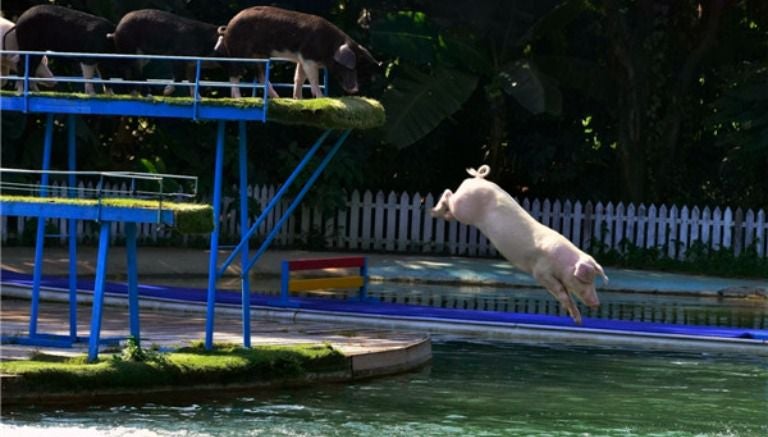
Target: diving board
x,y
337,117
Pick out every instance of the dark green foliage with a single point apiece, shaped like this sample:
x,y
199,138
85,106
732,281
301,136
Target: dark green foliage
x,y
700,258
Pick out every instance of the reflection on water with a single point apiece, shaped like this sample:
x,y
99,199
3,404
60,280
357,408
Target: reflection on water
x,y
470,389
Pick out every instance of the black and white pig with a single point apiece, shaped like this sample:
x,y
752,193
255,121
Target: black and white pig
x,y
309,40
155,32
556,263
9,63
59,29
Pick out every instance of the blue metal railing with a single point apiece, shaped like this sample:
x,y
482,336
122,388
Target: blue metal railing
x,y
29,81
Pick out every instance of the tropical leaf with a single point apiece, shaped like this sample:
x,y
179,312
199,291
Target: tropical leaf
x,y
418,102
589,78
405,34
532,89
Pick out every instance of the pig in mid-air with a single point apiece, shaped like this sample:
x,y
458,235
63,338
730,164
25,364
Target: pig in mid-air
x,y
309,40
156,32
555,262
59,29
9,63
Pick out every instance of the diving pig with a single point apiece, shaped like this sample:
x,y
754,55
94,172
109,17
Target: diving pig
x,y
555,262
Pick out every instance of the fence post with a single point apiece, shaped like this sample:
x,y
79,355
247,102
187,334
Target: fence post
x,y
387,239
354,220
378,224
402,222
415,241
367,223
738,231
760,234
427,235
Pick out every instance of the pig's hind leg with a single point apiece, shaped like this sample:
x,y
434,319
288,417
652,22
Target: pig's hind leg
x,y
556,289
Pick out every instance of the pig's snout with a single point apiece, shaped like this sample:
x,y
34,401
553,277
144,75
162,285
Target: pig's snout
x,y
590,299
350,88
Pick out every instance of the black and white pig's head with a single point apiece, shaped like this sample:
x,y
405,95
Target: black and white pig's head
x,y
347,59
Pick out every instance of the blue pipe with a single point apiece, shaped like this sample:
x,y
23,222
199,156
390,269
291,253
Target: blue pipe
x,y
196,91
98,292
245,285
40,236
133,280
26,83
213,259
318,171
273,202
72,225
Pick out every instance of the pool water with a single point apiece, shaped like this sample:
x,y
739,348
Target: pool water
x,y
498,389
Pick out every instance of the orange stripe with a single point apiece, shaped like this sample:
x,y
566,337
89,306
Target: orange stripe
x,y
321,283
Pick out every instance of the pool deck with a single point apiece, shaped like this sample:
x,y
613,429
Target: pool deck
x,y
156,264
175,263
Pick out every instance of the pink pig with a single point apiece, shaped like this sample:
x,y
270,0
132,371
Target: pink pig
x,y
555,262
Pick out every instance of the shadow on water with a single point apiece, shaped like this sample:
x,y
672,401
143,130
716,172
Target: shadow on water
x,y
470,389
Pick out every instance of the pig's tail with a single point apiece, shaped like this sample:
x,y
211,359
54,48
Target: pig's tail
x,y
481,172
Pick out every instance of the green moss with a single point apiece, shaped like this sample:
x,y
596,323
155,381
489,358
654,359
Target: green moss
x,y
184,368
188,217
326,112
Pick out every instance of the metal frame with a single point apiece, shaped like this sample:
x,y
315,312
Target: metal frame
x,y
198,110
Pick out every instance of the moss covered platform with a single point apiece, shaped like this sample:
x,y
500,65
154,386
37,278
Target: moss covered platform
x,y
185,217
326,112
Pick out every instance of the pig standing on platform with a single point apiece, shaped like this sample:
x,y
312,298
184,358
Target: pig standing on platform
x,y
309,40
555,262
9,63
56,28
155,32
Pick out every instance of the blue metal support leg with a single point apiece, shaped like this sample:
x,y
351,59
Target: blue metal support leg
x,y
213,257
273,202
133,280
98,292
72,226
245,282
364,288
40,237
296,201
285,279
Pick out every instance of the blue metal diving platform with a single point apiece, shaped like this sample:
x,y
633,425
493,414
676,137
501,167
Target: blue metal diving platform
x,y
255,108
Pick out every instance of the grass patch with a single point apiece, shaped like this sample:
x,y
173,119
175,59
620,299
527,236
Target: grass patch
x,y
184,368
349,112
188,217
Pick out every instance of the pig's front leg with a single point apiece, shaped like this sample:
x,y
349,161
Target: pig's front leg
x,y
298,81
312,71
443,207
235,89
556,289
263,79
89,71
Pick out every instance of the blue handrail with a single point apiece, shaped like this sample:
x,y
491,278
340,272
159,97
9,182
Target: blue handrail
x,y
29,79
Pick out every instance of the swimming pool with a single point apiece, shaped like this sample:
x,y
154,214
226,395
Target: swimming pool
x,y
470,389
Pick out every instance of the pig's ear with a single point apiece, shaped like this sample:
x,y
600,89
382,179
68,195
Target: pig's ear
x,y
584,272
368,56
345,56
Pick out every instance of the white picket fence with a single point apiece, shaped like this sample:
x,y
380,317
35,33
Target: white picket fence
x,y
401,223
